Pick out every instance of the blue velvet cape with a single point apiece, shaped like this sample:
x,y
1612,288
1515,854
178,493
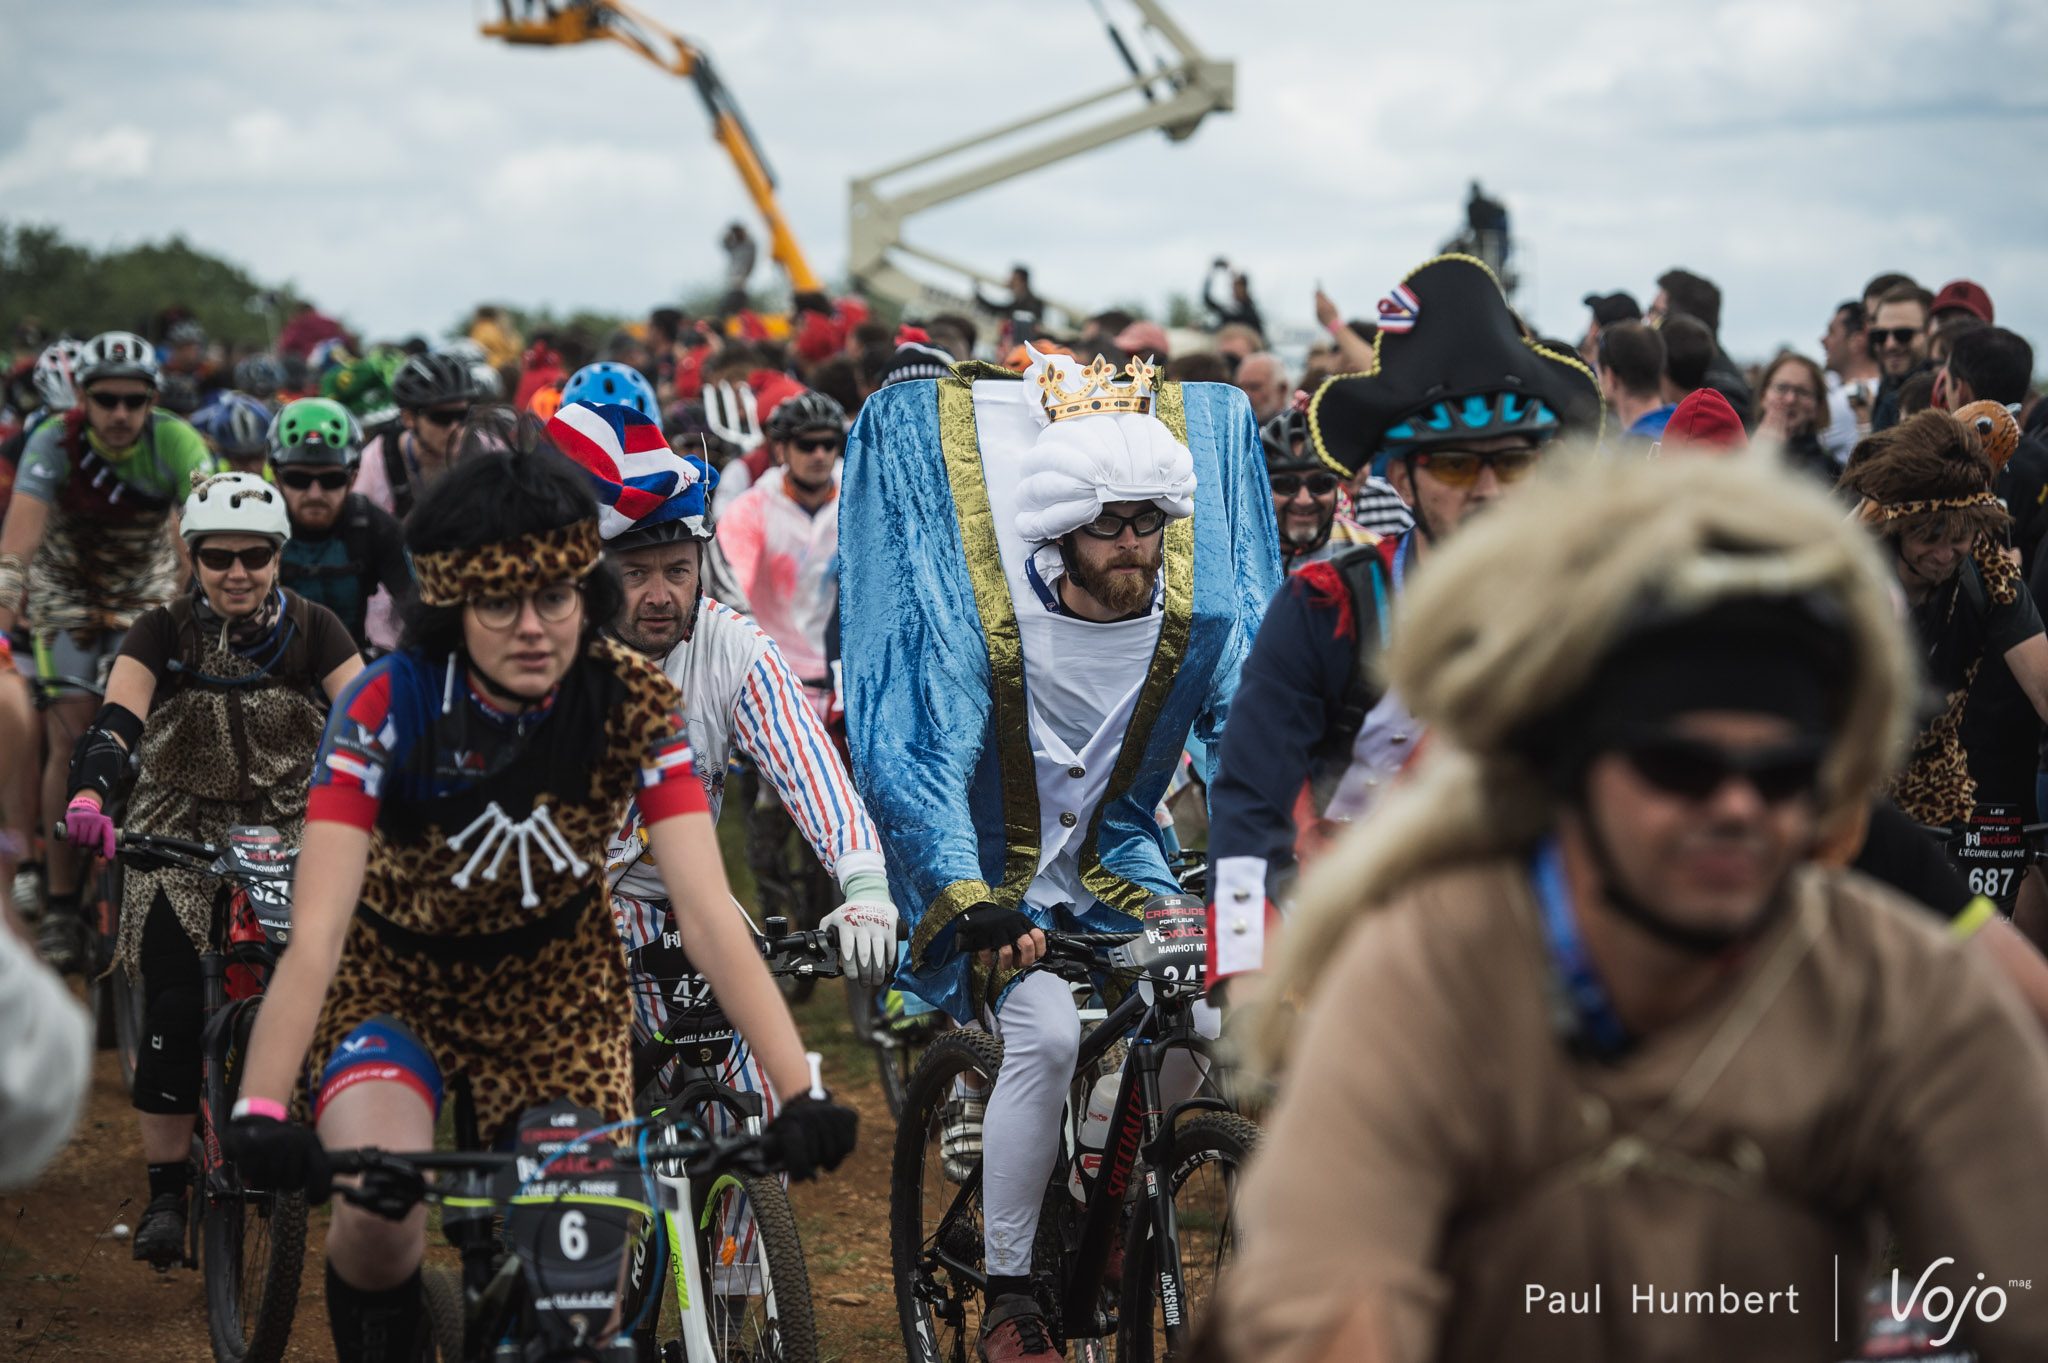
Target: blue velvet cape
x,y
933,668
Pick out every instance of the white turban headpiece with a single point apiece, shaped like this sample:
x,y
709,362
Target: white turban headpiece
x,y
1079,464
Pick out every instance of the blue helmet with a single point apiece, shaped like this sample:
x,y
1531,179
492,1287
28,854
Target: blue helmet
x,y
607,382
237,424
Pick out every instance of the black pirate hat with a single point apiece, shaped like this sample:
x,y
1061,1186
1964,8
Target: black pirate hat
x,y
1450,363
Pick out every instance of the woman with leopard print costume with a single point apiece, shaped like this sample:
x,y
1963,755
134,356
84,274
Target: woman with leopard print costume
x,y
1926,493
449,912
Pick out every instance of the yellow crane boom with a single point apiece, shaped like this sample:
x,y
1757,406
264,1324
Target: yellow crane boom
x,y
553,23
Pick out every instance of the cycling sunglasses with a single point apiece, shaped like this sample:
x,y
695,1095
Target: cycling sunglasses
x,y
1460,468
1900,335
328,480
221,560
121,402
1318,484
1694,769
813,443
1146,524
444,416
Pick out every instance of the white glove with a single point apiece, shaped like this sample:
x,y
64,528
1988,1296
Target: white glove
x,y
867,938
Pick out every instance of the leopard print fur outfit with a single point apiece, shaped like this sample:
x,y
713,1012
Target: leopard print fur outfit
x,y
87,577
554,1023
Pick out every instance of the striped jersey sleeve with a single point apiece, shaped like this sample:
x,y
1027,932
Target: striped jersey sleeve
x,y
775,725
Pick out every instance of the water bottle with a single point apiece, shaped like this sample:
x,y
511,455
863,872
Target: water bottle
x,y
1094,1134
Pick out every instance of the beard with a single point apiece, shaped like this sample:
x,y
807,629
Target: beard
x,y
1120,593
1308,537
653,635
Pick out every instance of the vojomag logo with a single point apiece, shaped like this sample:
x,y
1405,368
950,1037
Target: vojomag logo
x,y
1949,1310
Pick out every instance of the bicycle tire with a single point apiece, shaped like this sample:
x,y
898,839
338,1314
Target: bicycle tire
x,y
927,1336
125,998
787,1329
242,1331
1209,1137
441,1289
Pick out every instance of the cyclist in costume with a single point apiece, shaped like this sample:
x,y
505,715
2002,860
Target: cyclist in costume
x,y
1460,403
449,914
91,536
222,693
345,552
434,394
1925,489
1646,1046
1018,703
1305,495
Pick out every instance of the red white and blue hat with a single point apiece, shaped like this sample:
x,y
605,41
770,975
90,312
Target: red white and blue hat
x,y
646,492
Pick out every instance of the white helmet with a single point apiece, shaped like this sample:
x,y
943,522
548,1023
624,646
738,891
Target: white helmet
x,y
235,504
56,374
118,355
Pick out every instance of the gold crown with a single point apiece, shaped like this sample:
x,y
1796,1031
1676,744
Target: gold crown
x,y
1099,394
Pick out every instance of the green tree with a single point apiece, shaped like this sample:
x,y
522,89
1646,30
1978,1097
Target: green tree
x,y
68,288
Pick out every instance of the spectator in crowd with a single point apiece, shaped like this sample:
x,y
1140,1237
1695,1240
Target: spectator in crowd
x,y
1240,309
502,343
1199,366
1898,342
1879,286
952,333
1688,353
740,255
1991,364
1852,377
1144,340
1235,340
1099,332
1941,336
1791,410
1681,293
1961,298
1263,376
1607,308
1703,424
1024,313
1353,340
1630,361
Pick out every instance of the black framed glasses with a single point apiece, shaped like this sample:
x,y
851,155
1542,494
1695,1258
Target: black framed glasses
x,y
1460,468
444,416
1109,526
812,444
327,480
121,402
1319,484
222,560
1898,335
553,604
1694,769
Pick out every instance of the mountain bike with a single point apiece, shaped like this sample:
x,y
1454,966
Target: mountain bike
x,y
741,1287
252,1242
562,1237
1129,1252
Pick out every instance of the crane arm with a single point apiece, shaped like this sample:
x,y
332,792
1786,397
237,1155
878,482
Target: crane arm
x,y
541,23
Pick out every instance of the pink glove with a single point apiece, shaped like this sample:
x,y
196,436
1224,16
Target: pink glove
x,y
88,829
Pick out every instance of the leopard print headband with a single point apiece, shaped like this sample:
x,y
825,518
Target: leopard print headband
x,y
1878,513
509,567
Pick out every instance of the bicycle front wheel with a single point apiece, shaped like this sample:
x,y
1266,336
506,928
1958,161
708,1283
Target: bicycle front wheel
x,y
1166,1288
755,1291
253,1248
935,1218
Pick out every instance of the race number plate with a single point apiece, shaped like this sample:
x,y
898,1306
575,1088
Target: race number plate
x,y
1991,852
1174,943
264,861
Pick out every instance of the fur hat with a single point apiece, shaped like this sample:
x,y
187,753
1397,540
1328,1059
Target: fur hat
x,y
1927,476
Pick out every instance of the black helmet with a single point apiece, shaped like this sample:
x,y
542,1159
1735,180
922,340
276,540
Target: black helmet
x,y
429,380
806,411
1287,441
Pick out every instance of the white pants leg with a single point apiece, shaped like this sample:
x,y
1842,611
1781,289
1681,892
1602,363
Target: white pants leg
x,y
1020,1136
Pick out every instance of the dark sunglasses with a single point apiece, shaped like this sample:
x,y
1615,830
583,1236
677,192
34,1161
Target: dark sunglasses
x,y
1146,524
121,402
1318,484
1901,335
1694,769
328,480
221,560
811,444
443,416
1460,468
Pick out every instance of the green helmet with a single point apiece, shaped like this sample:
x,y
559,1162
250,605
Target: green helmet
x,y
315,431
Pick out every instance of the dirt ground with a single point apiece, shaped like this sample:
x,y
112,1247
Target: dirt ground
x,y
69,1290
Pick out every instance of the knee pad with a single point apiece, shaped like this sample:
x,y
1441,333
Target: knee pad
x,y
383,1048
167,1064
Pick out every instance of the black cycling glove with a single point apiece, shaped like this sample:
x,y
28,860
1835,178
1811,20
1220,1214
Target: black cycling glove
x,y
812,1133
283,1156
990,927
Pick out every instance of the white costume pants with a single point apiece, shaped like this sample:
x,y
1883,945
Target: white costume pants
x,y
1020,1136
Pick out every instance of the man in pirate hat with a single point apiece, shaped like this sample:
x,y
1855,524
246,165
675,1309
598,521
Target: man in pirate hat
x,y
1459,403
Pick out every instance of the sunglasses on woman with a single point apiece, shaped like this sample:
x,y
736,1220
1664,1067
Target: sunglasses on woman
x,y
1146,524
444,416
1318,484
327,480
553,604
1694,769
222,560
1460,468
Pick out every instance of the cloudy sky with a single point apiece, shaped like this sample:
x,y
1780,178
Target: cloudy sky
x,y
399,168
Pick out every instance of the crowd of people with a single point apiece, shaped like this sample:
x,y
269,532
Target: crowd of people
x,y
1579,720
